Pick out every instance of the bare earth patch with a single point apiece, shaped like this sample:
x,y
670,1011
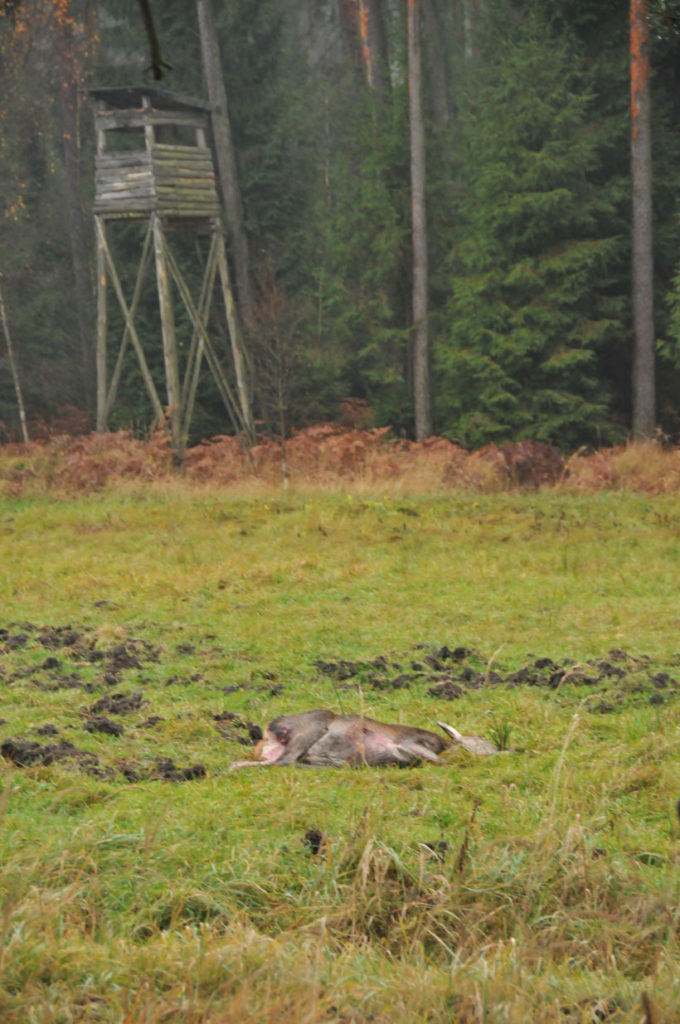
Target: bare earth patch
x,y
601,685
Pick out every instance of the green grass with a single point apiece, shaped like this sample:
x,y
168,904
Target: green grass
x,y
137,899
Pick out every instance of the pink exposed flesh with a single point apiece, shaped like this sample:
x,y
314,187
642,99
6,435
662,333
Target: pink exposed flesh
x,y
271,750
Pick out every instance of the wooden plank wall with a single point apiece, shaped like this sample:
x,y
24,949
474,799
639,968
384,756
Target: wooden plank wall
x,y
173,181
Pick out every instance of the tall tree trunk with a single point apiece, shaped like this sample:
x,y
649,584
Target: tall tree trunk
x,y
78,231
13,369
226,159
472,10
374,46
434,28
348,18
421,374
644,407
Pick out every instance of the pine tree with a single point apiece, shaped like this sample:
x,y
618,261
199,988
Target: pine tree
x,y
421,346
644,396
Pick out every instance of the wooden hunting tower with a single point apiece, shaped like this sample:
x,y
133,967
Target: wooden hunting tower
x,y
153,164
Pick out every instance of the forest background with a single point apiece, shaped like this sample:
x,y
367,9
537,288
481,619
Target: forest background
x,y
526,106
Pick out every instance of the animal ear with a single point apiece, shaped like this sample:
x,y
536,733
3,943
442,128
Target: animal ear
x,y
450,731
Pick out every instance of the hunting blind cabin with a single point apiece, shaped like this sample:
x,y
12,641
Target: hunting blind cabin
x,y
153,164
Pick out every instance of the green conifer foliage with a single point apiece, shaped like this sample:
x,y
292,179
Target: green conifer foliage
x,y
540,240
264,73
35,261
362,263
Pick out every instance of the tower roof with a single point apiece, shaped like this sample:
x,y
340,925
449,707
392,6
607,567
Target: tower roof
x,y
131,97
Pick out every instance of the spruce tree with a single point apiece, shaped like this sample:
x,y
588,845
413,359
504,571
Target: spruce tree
x,y
533,288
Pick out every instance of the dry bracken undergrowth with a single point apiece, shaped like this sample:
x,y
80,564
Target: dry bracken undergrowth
x,y
329,455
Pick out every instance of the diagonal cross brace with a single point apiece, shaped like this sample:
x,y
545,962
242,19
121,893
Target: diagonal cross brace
x,y
223,385
129,323
141,274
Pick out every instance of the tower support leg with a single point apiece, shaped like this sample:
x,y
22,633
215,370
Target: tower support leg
x,y
101,327
168,332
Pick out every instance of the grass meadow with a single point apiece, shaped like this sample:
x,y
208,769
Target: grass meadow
x,y
145,630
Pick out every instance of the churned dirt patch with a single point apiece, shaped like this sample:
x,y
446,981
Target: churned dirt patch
x,y
447,673
134,742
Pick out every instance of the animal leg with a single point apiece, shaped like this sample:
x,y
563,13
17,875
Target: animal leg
x,y
416,751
